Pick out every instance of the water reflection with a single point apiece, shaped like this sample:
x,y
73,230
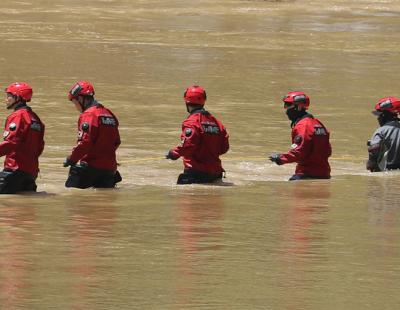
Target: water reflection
x,y
305,225
305,219
383,200
238,252
384,211
199,241
17,230
382,237
91,220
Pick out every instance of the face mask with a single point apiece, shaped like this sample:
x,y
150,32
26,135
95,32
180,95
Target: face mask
x,y
292,114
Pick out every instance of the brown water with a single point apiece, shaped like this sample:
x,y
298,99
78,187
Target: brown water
x,y
261,243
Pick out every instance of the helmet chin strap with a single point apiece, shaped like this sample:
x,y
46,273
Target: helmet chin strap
x,y
10,107
16,103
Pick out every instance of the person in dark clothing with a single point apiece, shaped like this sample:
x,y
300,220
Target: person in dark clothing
x,y
384,146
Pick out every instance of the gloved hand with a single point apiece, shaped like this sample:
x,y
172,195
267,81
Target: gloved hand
x,y
276,159
171,155
68,162
372,166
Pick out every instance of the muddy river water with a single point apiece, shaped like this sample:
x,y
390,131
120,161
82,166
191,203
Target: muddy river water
x,y
258,242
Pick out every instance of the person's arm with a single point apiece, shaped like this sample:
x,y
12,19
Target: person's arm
x,y
13,134
87,132
190,137
301,145
374,147
225,140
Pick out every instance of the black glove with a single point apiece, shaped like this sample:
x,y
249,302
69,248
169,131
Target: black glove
x,y
276,159
170,155
68,162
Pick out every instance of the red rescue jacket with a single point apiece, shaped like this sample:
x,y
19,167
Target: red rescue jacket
x,y
98,138
23,141
203,140
310,148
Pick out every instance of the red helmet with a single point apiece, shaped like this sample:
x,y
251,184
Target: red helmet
x,y
389,104
195,95
81,88
20,89
296,98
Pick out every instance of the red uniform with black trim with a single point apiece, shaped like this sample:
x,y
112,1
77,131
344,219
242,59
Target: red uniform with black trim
x,y
310,148
203,140
98,138
23,141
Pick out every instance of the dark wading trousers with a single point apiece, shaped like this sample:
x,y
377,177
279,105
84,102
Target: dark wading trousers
x,y
191,177
84,176
297,177
12,182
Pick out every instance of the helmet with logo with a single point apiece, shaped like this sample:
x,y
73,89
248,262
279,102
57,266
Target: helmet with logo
x,y
388,104
20,89
297,99
81,88
195,95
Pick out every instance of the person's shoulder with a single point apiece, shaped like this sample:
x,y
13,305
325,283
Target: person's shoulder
x,y
103,109
382,131
20,113
305,120
20,116
387,126
312,120
29,111
317,120
191,120
394,123
193,116
89,112
209,114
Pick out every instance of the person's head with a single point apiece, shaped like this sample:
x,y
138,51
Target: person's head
x,y
195,97
386,109
82,95
17,93
295,103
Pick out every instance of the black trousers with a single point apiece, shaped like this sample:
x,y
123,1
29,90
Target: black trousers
x,y
192,177
12,182
393,167
84,176
296,177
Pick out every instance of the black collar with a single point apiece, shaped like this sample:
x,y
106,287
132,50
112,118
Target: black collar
x,y
21,105
307,115
93,104
199,110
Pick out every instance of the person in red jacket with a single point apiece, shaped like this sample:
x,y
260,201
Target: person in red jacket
x,y
98,140
23,142
310,141
203,140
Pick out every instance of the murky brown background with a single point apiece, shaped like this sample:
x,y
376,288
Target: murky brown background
x,y
261,243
